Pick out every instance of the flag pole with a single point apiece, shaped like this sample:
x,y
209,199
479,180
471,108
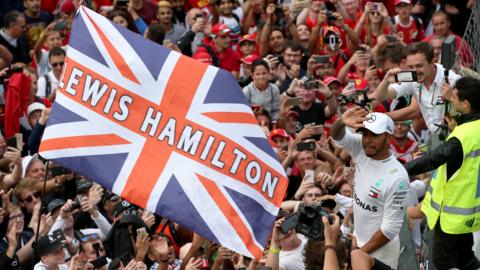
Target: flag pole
x,y
42,204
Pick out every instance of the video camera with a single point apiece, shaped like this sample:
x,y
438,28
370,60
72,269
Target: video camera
x,y
307,221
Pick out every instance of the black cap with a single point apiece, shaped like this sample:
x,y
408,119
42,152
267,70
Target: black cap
x,y
47,244
54,204
83,184
121,206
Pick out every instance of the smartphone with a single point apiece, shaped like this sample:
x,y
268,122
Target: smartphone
x,y
391,38
321,59
99,262
406,76
141,231
280,59
294,101
306,146
12,142
58,170
58,234
289,223
309,176
318,129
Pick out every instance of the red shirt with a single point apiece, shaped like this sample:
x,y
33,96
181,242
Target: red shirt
x,y
373,42
229,59
413,32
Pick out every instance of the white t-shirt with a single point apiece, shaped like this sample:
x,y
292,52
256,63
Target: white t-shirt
x,y
41,266
42,85
380,192
432,113
293,259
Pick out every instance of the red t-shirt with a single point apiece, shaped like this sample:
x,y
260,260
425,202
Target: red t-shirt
x,y
373,42
413,32
229,59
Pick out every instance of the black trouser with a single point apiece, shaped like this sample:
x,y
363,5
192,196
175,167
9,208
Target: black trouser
x,y
453,250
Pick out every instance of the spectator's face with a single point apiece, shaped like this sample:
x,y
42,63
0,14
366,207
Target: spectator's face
x,y
346,190
436,44
260,76
441,25
247,47
276,41
32,6
403,10
19,27
375,17
312,195
317,5
54,258
90,252
324,69
419,63
16,219
222,42
362,63
335,88
120,20
33,117
226,7
291,125
401,130
33,80
374,144
305,161
351,6
280,141
37,170
156,247
69,221
373,82
54,40
292,57
307,95
28,199
56,62
303,32
178,5
164,15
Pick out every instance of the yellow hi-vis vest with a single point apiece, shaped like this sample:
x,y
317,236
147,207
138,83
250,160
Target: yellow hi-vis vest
x,y
456,202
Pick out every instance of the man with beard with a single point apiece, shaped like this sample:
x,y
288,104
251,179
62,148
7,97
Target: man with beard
x,y
381,182
179,13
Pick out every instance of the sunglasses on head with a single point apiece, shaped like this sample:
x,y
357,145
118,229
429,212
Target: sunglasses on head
x,y
29,198
89,237
57,64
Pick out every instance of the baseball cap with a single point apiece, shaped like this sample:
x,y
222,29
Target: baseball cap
x,y
120,207
293,114
360,84
402,1
327,80
377,123
54,204
34,107
220,30
203,57
247,37
47,244
249,59
279,132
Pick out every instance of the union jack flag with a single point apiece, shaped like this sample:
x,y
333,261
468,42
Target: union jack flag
x,y
166,133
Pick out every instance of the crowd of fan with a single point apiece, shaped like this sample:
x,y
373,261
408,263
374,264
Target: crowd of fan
x,y
301,64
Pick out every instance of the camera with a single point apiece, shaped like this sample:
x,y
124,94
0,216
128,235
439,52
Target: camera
x,y
302,146
311,84
330,16
308,221
360,98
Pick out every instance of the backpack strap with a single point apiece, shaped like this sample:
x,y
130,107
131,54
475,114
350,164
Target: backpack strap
x,y
48,86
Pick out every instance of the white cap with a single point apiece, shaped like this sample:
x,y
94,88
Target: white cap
x,y
378,123
35,106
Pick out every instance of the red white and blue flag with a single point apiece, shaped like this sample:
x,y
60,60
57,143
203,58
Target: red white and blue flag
x,y
166,133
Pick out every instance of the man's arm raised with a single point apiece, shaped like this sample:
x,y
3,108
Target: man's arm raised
x,y
353,118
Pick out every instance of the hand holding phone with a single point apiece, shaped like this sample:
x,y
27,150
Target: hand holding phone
x,y
406,76
309,176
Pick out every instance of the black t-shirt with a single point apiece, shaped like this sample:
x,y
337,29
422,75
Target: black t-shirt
x,y
313,116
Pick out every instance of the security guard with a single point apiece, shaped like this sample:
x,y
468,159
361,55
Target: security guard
x,y
452,202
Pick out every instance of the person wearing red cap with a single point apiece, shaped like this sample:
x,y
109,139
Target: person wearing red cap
x,y
222,55
246,69
247,45
409,26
